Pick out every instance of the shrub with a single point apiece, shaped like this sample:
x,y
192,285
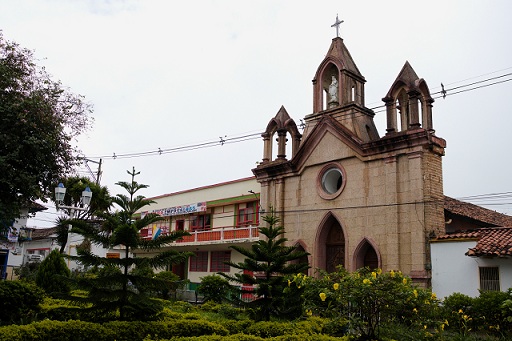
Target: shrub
x,y
214,288
267,329
51,268
115,330
171,282
366,299
19,301
456,310
237,327
488,313
56,331
28,271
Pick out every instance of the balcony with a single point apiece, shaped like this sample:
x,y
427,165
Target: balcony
x,y
226,234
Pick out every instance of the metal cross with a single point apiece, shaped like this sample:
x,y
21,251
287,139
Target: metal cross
x,y
337,24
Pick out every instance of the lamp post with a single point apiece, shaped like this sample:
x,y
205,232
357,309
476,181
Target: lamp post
x,y
60,193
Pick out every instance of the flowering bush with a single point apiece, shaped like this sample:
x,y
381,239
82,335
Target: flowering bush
x,y
368,298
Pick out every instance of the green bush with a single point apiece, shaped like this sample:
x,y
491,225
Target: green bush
x,y
267,329
56,331
51,268
214,288
237,327
28,271
171,282
488,313
244,337
115,330
19,301
366,299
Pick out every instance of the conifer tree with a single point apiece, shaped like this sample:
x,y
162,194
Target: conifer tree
x,y
117,290
266,264
51,267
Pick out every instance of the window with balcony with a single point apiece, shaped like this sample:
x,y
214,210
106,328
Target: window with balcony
x,y
218,259
247,214
200,222
199,262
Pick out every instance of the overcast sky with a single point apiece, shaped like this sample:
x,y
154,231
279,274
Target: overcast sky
x,y
167,74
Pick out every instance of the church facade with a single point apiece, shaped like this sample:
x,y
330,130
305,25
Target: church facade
x,y
347,195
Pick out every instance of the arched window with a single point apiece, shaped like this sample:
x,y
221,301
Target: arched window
x,y
365,255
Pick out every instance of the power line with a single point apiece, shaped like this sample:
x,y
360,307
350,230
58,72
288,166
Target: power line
x,y
252,136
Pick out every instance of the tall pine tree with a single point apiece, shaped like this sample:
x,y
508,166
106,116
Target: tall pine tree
x,y
114,291
266,264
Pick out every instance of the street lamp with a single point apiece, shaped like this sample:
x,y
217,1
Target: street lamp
x,y
60,192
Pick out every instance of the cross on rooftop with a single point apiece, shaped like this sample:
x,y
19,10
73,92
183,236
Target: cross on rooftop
x,y
337,25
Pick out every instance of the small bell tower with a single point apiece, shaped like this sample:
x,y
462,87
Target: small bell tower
x,y
338,91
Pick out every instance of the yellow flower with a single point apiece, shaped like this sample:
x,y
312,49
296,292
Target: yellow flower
x,y
379,271
425,327
415,310
367,281
442,326
323,296
427,302
415,293
460,311
392,274
309,312
336,286
434,296
374,275
289,282
404,281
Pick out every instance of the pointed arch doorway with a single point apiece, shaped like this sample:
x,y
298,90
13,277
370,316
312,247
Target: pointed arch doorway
x,y
331,244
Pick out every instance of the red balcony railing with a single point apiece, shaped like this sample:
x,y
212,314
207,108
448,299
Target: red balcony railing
x,y
221,234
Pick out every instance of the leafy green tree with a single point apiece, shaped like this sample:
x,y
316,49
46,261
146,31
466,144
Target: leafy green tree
x,y
116,291
49,272
39,119
266,264
100,201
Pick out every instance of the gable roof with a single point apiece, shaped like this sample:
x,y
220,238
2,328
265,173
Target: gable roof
x,y
475,212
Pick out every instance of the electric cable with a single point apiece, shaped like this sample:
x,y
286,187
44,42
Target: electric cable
x,y
246,137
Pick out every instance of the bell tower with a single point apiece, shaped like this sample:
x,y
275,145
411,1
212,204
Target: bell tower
x,y
338,91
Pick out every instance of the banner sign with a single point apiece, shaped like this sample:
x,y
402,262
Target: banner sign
x,y
12,236
179,210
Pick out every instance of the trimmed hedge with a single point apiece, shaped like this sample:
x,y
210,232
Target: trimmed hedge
x,y
19,301
116,330
244,337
